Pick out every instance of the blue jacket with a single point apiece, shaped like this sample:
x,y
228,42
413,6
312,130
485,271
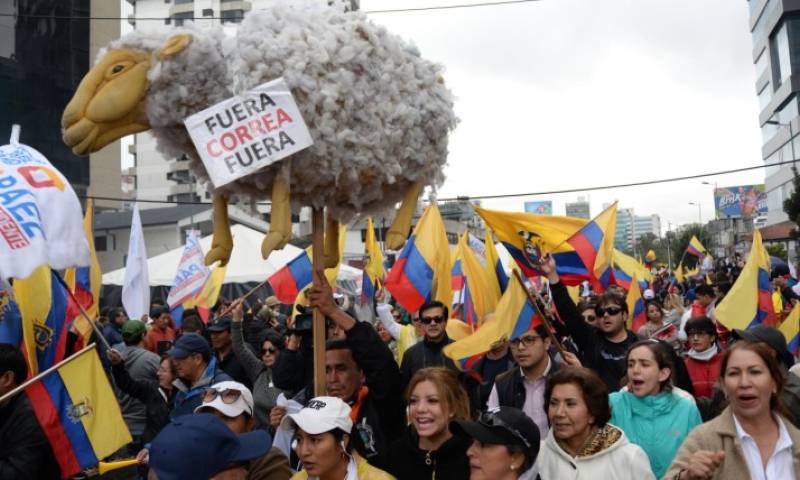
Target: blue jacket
x,y
187,397
657,423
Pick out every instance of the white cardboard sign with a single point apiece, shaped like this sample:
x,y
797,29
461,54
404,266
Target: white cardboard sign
x,y
245,133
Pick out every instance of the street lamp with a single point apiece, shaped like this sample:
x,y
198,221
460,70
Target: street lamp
x,y
699,212
715,196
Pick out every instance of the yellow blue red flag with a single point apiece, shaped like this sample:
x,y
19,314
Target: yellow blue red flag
x,y
695,248
422,270
625,267
749,301
494,266
79,412
790,328
85,282
513,316
205,299
373,270
479,297
588,253
637,314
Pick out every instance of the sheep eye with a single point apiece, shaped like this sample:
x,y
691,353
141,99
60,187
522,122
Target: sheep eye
x,y
117,69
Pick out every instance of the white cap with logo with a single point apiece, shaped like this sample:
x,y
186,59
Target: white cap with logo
x,y
322,414
243,404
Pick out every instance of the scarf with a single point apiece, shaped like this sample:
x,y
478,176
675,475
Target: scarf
x,y
599,440
705,355
355,408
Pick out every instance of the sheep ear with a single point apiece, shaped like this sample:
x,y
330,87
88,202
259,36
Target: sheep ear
x,y
174,45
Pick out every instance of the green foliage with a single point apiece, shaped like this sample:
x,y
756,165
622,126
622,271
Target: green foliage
x,y
792,204
681,242
777,250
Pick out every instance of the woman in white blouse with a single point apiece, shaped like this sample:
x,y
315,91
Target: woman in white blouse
x,y
752,438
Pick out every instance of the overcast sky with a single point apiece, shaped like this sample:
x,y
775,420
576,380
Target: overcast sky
x,y
562,94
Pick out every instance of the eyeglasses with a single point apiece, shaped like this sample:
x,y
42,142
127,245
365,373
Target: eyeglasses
x,y
590,318
697,334
228,395
270,350
526,341
491,419
601,312
429,320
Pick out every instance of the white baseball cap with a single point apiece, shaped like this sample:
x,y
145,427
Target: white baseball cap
x,y
648,294
322,414
243,404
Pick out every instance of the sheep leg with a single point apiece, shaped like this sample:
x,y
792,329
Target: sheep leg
x,y
398,232
332,253
222,242
280,224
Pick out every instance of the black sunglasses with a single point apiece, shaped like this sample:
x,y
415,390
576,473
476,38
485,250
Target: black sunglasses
x,y
601,312
491,419
270,350
428,320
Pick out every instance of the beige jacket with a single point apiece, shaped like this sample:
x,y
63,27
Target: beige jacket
x,y
720,434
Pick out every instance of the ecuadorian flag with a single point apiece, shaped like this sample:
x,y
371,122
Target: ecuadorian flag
x,y
514,316
695,248
588,253
749,301
79,413
637,313
790,328
479,298
422,270
493,264
373,270
625,267
85,282
290,279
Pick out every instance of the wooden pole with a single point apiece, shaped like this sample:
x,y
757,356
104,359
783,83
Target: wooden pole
x,y
91,322
318,265
545,319
50,370
242,298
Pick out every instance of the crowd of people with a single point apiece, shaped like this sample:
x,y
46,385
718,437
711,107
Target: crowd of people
x,y
579,397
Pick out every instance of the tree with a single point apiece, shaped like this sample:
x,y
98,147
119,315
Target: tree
x,y
792,204
681,242
648,242
777,250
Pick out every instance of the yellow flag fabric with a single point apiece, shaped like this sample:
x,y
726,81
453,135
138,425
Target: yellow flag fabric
x,y
749,301
91,274
695,247
790,328
33,296
513,317
630,265
494,267
637,315
679,272
372,250
207,297
479,294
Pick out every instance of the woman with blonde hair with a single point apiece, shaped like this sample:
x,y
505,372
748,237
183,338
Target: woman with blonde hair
x,y
430,450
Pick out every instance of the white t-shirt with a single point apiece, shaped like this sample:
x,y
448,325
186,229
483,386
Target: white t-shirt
x,y
780,465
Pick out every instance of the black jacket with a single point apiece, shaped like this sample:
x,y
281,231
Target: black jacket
x,y
511,387
408,462
233,367
606,358
24,450
425,354
157,401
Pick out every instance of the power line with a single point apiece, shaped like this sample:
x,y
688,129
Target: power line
x,y
508,195
393,10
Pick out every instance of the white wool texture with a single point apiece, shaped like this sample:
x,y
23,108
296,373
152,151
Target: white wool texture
x,y
378,113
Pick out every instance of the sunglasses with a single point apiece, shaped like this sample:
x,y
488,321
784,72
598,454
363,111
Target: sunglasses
x,y
428,320
491,419
601,312
525,341
228,395
270,350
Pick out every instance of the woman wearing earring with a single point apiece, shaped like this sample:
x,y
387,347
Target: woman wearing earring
x,y
322,443
752,438
430,451
505,443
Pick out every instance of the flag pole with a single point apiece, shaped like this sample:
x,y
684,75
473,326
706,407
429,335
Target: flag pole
x,y
548,326
242,298
318,325
91,322
40,375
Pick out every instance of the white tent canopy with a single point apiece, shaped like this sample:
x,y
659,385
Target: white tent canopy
x,y
245,265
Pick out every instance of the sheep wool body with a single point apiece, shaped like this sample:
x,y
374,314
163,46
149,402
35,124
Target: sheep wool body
x,y
378,113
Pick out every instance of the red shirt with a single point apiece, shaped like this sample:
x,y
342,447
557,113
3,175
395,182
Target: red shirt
x,y
156,335
703,374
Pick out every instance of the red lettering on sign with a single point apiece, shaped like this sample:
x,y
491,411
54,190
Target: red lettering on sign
x,y
10,231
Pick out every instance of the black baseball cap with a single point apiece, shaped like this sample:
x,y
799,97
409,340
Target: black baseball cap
x,y
769,335
502,426
219,324
187,344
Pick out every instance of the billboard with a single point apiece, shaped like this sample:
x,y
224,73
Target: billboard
x,y
544,207
740,201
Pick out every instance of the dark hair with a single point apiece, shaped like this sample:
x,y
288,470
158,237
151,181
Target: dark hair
x,y
595,391
336,344
192,323
338,435
654,301
663,358
526,454
12,360
587,304
773,363
614,298
724,287
701,324
704,289
434,304
275,339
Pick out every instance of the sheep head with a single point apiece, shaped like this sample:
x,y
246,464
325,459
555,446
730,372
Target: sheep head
x,y
110,100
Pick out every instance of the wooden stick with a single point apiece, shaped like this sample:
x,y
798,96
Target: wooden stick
x,y
318,265
545,319
40,375
242,298
91,322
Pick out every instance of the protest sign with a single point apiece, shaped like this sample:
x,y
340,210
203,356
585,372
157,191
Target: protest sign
x,y
41,221
192,272
245,133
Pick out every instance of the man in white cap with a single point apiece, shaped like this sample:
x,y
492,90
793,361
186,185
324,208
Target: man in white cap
x,y
232,402
322,442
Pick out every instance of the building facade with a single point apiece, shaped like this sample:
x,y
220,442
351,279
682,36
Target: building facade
x,y
579,209
631,227
775,30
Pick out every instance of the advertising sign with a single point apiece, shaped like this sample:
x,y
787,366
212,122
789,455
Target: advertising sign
x,y
543,207
740,201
